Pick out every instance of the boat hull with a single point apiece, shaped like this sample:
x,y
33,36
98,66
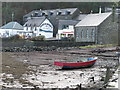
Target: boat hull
x,y
77,65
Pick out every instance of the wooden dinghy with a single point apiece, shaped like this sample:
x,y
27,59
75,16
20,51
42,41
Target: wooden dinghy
x,y
89,62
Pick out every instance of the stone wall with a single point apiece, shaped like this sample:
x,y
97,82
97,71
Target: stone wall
x,y
62,43
85,34
108,31
28,46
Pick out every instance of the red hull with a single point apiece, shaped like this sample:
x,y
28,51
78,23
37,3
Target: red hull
x,y
75,65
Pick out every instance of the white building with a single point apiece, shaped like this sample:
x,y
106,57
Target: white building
x,y
66,28
37,26
10,29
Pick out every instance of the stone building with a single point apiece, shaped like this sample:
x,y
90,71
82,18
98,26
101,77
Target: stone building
x,y
98,28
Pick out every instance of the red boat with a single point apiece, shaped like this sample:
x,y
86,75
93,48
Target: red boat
x,y
88,62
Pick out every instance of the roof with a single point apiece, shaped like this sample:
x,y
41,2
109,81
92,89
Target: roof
x,y
52,12
34,21
80,17
93,19
67,22
12,25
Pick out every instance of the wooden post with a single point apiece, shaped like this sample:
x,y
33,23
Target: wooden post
x,y
0,41
118,29
118,54
79,87
107,77
119,74
118,60
0,13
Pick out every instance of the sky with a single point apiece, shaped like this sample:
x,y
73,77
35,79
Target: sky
x,y
59,0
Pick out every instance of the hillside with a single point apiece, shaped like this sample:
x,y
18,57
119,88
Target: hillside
x,y
18,9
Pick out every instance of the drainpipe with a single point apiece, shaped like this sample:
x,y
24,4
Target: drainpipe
x,y
96,35
74,33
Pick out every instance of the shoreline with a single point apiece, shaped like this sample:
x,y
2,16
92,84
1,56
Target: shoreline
x,y
40,62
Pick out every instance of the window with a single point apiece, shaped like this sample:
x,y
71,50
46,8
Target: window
x,y
70,35
59,13
31,28
26,28
63,35
87,34
51,13
36,14
92,34
65,27
35,29
26,25
82,33
30,25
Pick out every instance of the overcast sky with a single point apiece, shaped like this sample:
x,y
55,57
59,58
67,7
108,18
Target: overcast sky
x,y
59,0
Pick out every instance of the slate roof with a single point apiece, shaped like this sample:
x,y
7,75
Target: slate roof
x,y
34,21
12,25
80,17
52,12
93,19
67,22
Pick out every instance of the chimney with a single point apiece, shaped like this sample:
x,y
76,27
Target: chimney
x,y
91,11
100,10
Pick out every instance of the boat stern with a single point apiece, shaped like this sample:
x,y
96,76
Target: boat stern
x,y
58,64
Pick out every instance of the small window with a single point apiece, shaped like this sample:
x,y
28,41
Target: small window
x,y
31,28
63,35
87,34
93,34
35,29
59,12
82,33
34,25
36,14
26,25
51,13
68,12
27,28
65,27
29,25
70,35
43,13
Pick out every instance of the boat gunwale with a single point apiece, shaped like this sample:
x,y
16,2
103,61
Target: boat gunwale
x,y
61,64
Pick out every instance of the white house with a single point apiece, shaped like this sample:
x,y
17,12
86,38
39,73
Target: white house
x,y
66,28
36,26
10,29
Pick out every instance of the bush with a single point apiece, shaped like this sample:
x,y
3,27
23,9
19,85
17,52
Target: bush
x,y
15,37
41,37
68,39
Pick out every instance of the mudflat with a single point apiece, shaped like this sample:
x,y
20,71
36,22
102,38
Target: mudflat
x,y
26,69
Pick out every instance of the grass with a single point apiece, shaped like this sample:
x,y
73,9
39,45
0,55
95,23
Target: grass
x,y
94,46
